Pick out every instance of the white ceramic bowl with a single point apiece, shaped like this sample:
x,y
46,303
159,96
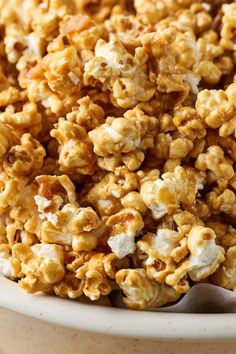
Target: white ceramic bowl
x,y
77,318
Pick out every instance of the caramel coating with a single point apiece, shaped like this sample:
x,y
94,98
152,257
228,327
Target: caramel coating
x,y
118,148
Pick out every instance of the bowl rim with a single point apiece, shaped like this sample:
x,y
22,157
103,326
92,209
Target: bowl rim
x,y
114,321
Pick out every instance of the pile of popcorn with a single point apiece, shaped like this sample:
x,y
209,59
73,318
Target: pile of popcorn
x,y
118,147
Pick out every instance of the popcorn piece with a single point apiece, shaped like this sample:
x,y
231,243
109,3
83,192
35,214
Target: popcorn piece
x,y
81,32
9,266
105,195
128,29
15,42
10,190
140,292
73,226
215,161
24,220
228,27
165,72
29,120
185,221
11,95
226,234
217,109
222,202
6,139
96,281
41,265
124,227
163,196
163,249
60,68
225,276
87,114
205,256
54,192
124,135
76,155
24,159
154,11
134,200
189,123
119,72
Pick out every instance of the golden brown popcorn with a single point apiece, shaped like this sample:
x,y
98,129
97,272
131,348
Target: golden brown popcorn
x,y
62,71
10,189
54,192
11,95
204,258
29,120
42,265
215,161
163,195
228,26
164,249
128,29
6,139
162,146
229,145
185,221
87,114
189,123
141,292
124,75
153,11
122,136
24,223
168,76
216,108
166,123
9,266
180,147
105,195
226,234
15,42
124,227
75,149
24,159
81,32
96,281
77,227
133,200
225,276
222,201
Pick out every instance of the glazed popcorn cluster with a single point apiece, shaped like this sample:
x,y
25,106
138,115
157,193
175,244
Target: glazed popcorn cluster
x,y
118,147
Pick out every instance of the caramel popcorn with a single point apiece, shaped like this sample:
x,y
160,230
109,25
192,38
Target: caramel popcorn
x,y
118,148
125,226
217,109
164,195
215,161
141,292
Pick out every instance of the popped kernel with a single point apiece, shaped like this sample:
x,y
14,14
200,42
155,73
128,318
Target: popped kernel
x,y
225,275
163,195
25,158
215,161
124,226
41,266
140,292
204,258
216,108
